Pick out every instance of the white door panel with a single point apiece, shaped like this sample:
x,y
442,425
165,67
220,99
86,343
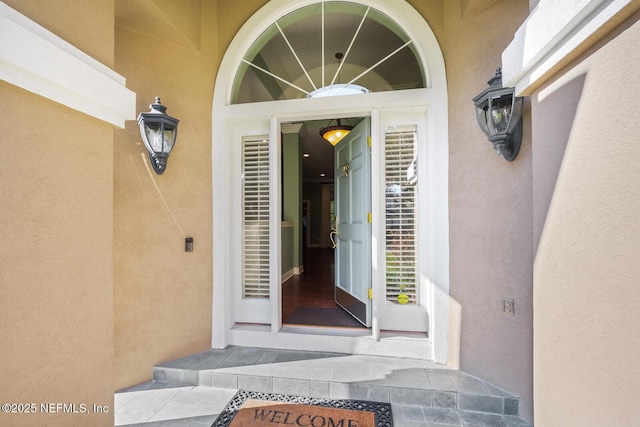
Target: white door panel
x,y
353,230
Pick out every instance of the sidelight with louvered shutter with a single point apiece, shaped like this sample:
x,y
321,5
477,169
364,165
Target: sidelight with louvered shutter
x,y
255,223
401,214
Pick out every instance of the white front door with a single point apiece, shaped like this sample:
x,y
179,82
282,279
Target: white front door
x,y
353,229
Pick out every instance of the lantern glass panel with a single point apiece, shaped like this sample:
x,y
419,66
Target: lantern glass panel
x,y
154,137
169,138
160,137
482,116
517,113
501,108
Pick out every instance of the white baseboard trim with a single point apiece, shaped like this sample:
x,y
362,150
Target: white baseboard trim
x,y
295,271
288,275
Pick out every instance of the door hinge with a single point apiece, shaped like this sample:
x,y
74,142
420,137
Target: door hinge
x,y
369,143
369,217
370,293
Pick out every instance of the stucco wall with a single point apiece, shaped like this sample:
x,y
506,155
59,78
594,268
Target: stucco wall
x,y
162,293
586,270
231,17
56,281
86,25
56,223
490,208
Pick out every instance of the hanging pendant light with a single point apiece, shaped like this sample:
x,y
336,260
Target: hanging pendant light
x,y
335,133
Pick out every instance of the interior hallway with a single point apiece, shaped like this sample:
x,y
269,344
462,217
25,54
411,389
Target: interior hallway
x,y
314,289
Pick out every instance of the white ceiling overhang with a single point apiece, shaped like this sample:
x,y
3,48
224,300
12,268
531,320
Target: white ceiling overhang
x,y
42,63
555,33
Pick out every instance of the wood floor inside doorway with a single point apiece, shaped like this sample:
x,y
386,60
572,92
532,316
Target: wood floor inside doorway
x,y
313,292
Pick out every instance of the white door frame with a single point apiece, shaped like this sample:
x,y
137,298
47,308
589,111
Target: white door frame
x,y
432,100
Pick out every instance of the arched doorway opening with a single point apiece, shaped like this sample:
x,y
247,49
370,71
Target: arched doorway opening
x,y
254,98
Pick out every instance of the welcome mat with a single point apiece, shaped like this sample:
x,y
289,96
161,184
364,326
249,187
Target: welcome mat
x,y
256,409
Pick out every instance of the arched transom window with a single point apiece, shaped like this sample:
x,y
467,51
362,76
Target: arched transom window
x,y
327,49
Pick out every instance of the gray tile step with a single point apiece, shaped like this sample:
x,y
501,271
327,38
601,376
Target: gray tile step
x,y
405,382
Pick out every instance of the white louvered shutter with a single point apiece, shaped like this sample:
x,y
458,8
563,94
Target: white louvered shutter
x,y
401,214
255,212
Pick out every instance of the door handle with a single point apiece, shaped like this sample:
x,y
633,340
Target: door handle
x,y
334,233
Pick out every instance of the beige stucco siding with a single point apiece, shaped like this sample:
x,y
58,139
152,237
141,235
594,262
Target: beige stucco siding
x,y
56,225
163,295
586,297
56,263
88,25
490,203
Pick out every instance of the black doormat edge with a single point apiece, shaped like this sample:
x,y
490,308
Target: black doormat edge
x,y
322,316
381,410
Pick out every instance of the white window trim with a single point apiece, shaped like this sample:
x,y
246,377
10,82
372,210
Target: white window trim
x,y
554,32
433,98
35,59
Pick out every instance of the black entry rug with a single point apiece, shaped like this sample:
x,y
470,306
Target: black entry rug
x,y
323,317
257,409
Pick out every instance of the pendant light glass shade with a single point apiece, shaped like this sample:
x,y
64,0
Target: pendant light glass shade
x,y
335,133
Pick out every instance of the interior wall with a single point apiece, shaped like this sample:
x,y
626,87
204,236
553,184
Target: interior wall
x,y
586,270
490,208
162,293
292,193
312,191
286,251
56,223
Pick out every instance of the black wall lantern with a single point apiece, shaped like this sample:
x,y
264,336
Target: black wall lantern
x,y
499,114
158,131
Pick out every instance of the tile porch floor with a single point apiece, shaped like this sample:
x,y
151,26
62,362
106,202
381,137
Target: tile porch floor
x,y
192,391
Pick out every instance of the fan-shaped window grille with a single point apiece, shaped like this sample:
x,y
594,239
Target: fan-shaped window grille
x,y
328,48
